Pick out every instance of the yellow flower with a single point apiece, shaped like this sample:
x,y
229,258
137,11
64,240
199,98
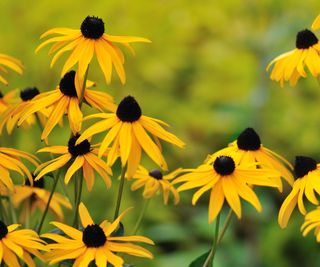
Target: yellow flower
x,y
250,150
10,160
316,24
38,197
9,62
312,221
154,181
79,156
64,100
92,40
19,243
7,100
290,66
308,174
128,132
228,178
94,243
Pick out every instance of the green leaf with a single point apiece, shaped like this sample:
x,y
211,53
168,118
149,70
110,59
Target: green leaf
x,y
198,262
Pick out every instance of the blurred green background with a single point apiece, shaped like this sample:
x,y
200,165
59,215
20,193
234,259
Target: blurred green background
x,y
204,74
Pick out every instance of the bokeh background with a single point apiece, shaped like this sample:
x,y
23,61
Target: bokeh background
x,y
204,74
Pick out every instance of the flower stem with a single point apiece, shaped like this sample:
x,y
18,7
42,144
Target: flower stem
x,y
138,223
120,191
209,259
78,185
56,178
83,88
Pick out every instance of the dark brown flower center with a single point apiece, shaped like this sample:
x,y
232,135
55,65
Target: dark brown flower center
x,y
129,110
1,94
92,27
67,85
29,93
93,236
156,174
224,165
3,230
77,150
306,39
249,140
304,165
38,183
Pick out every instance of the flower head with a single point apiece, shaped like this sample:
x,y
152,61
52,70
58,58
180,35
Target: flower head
x,y
308,173
290,66
228,178
9,62
80,156
92,39
155,181
127,129
95,243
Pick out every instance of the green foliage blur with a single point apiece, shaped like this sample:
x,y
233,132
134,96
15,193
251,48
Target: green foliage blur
x,y
204,74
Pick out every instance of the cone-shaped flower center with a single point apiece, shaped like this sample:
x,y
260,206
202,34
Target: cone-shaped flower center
x,y
77,150
92,27
38,183
3,230
1,95
249,140
93,236
305,39
129,110
304,165
156,174
224,165
67,86
29,93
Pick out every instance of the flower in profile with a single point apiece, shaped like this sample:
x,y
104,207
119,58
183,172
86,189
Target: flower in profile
x,y
64,100
290,66
10,160
11,63
96,242
316,24
19,243
227,178
154,181
80,156
308,173
128,132
250,150
37,197
7,100
312,221
92,39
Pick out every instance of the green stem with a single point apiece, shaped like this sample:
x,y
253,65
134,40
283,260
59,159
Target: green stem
x,y
78,184
13,211
56,178
138,223
120,191
81,96
225,227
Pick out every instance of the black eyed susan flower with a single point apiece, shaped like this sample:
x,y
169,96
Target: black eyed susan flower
x,y
92,39
64,100
307,183
19,243
290,66
154,181
228,178
128,132
37,197
316,24
95,243
11,63
312,221
79,156
250,150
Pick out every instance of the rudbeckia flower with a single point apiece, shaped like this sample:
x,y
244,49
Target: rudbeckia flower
x,y
86,42
128,132
11,63
37,197
154,181
64,100
312,221
228,179
95,243
19,243
290,66
308,173
250,150
7,100
10,160
78,156
316,24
